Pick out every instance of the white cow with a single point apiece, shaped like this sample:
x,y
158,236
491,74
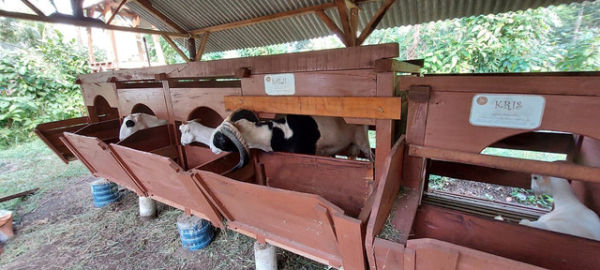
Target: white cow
x,y
137,121
131,124
569,215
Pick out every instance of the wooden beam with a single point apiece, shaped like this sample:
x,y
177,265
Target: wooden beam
x,y
20,194
84,22
344,18
191,43
266,18
357,107
563,170
91,46
33,7
77,6
116,11
374,21
174,46
203,42
332,26
353,23
148,7
393,65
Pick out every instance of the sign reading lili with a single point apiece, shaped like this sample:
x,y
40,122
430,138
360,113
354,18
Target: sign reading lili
x,y
508,111
280,84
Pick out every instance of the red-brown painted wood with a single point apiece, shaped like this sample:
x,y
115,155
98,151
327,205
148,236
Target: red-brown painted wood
x,y
165,181
522,243
50,133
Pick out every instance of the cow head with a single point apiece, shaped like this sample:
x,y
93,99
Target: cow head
x,y
138,121
228,138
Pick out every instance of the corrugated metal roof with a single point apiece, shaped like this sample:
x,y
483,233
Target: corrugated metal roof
x,y
194,14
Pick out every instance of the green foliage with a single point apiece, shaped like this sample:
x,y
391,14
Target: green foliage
x,y
37,85
563,38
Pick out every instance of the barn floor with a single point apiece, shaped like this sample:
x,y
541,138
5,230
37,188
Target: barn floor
x,y
58,227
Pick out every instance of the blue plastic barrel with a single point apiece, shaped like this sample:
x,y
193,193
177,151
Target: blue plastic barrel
x,y
195,233
104,192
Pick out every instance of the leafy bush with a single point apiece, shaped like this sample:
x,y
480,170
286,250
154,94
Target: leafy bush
x,y
37,86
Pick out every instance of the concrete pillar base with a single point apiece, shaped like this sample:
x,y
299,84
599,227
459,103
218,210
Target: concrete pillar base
x,y
265,256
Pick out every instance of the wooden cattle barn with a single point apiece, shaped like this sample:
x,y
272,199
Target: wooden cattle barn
x,y
329,209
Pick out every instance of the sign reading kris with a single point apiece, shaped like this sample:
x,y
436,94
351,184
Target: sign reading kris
x,y
280,84
508,111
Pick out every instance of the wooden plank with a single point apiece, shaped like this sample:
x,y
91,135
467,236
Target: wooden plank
x,y
364,34
559,251
91,91
344,19
165,179
262,19
17,195
385,193
416,125
332,26
202,46
575,84
563,170
448,124
362,57
84,22
388,255
480,174
147,5
186,100
384,129
357,107
345,183
51,132
97,154
588,155
153,98
331,83
176,48
390,64
349,241
116,11
404,214
284,216
33,8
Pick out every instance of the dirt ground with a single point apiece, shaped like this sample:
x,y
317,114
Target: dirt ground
x,y
67,231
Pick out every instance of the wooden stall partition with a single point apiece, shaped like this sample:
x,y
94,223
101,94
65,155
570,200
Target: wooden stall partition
x,y
348,188
362,57
101,100
383,197
132,99
435,254
101,161
51,132
300,222
167,182
448,107
522,243
195,100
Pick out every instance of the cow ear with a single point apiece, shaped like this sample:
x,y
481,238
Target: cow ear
x,y
244,114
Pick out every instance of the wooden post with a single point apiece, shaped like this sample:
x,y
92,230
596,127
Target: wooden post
x,y
91,46
107,14
191,42
158,48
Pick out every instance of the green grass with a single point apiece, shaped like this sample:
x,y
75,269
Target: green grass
x,y
523,154
33,165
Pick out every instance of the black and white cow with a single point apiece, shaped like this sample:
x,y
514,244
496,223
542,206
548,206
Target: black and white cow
x,y
324,136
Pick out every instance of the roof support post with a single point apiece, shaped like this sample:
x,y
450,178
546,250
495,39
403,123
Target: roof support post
x,y
203,42
364,34
174,46
191,43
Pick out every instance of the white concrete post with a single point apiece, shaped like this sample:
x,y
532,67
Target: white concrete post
x,y
265,256
147,207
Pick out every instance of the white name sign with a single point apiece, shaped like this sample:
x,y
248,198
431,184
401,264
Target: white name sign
x,y
280,84
507,111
